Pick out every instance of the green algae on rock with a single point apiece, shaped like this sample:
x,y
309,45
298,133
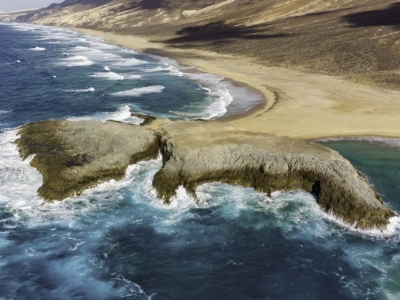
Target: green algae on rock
x,y
74,156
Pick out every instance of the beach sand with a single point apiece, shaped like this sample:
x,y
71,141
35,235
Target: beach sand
x,y
300,104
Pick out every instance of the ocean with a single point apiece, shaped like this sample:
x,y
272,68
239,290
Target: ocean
x,y
119,241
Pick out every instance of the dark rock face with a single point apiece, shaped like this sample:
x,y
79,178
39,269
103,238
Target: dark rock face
x,y
268,163
74,156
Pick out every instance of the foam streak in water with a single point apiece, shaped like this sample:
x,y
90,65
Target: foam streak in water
x,y
88,90
77,61
37,49
108,76
140,91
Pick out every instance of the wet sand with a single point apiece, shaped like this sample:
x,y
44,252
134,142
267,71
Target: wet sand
x,y
300,104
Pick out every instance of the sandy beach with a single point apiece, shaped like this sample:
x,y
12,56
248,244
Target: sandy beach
x,y
300,104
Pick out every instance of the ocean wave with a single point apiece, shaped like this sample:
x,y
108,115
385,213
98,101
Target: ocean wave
x,y
154,69
168,69
140,91
103,45
218,97
108,76
106,68
21,27
96,53
222,97
77,61
392,229
18,180
123,114
132,76
3,112
37,49
91,89
129,62
296,211
217,88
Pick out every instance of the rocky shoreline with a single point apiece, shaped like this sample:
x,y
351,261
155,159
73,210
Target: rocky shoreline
x,y
73,156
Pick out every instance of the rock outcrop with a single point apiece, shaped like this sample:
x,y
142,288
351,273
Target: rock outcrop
x,y
195,154
73,156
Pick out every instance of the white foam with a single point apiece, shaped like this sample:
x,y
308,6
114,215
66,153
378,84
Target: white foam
x,y
129,62
18,61
77,61
132,76
37,49
123,114
108,76
154,69
107,68
170,70
18,180
217,99
96,54
88,90
140,91
219,92
2,112
392,229
103,45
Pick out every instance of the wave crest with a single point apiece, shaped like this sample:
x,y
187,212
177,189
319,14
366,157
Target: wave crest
x,y
140,91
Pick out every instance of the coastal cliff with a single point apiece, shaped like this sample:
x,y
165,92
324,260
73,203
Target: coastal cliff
x,y
73,156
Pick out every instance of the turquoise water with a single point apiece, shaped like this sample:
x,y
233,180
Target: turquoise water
x,y
380,161
119,240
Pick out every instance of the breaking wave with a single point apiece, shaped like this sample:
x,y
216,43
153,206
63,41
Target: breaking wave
x,y
140,91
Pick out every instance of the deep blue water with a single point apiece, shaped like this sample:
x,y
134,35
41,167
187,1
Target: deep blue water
x,y
119,241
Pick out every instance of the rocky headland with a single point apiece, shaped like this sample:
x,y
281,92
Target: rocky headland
x,y
75,155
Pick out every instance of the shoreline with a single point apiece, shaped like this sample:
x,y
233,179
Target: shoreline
x,y
268,96
299,104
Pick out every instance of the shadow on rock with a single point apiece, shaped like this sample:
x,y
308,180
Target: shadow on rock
x,y
218,31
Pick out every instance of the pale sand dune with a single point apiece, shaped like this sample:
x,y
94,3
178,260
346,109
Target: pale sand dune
x,y
309,105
